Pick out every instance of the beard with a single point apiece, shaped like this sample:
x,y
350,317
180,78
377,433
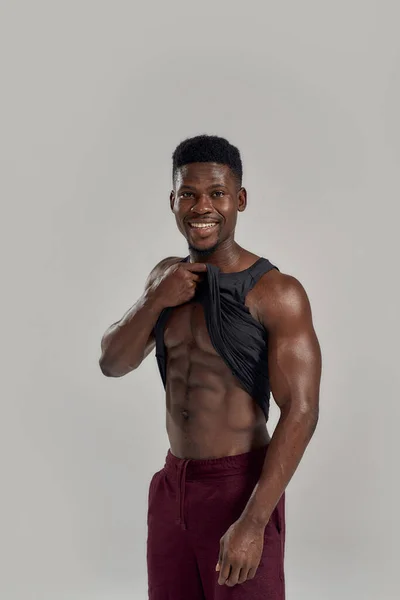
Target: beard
x,y
204,252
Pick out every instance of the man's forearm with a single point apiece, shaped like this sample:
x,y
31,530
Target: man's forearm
x,y
288,443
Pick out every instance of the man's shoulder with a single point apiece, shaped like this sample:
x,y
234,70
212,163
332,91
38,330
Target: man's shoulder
x,y
167,262
277,295
276,282
160,267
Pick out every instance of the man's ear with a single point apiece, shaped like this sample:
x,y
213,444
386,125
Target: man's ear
x,y
172,199
242,199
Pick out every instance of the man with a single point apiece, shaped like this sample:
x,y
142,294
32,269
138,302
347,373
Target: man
x,y
228,328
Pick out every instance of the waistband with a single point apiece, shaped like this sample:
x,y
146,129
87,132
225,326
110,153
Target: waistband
x,y
216,467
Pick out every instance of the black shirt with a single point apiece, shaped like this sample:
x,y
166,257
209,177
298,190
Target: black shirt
x,y
236,335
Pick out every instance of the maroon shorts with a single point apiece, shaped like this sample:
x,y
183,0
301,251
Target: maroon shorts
x,y
191,505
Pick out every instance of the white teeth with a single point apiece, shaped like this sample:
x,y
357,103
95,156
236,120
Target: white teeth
x,y
199,225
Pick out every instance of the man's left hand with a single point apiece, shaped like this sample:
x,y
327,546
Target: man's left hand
x,y
240,552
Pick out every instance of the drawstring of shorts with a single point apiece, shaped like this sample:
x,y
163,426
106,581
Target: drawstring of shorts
x,y
181,492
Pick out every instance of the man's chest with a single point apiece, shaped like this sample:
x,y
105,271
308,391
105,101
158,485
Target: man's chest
x,y
186,325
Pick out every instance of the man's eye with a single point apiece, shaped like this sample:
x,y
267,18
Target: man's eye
x,y
219,193
186,194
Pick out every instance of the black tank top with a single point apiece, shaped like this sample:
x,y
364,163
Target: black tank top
x,y
237,337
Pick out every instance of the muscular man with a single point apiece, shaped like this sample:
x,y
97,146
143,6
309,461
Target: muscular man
x,y
228,328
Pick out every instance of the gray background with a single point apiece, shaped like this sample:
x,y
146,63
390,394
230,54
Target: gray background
x,y
95,95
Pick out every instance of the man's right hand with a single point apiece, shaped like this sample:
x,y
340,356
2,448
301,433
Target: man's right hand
x,y
177,284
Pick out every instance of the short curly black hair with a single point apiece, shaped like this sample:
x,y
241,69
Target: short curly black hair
x,y
207,148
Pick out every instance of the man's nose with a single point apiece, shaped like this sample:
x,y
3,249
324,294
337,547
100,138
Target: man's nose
x,y
203,204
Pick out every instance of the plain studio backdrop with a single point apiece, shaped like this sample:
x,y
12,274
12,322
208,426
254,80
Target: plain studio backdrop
x,y
95,95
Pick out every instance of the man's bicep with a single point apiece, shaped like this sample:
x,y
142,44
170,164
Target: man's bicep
x,y
294,355
294,369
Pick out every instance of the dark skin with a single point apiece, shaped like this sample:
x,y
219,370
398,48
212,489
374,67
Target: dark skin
x,y
209,415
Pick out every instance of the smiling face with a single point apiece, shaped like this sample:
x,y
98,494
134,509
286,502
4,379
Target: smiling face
x,y
205,201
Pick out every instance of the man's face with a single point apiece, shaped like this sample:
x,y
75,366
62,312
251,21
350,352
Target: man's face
x,y
205,200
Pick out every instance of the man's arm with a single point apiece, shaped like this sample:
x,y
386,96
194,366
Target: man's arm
x,y
295,371
127,342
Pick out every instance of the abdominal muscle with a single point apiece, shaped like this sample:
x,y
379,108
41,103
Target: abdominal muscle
x,y
208,413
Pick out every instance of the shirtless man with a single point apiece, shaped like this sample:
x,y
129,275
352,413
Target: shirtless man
x,y
216,523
